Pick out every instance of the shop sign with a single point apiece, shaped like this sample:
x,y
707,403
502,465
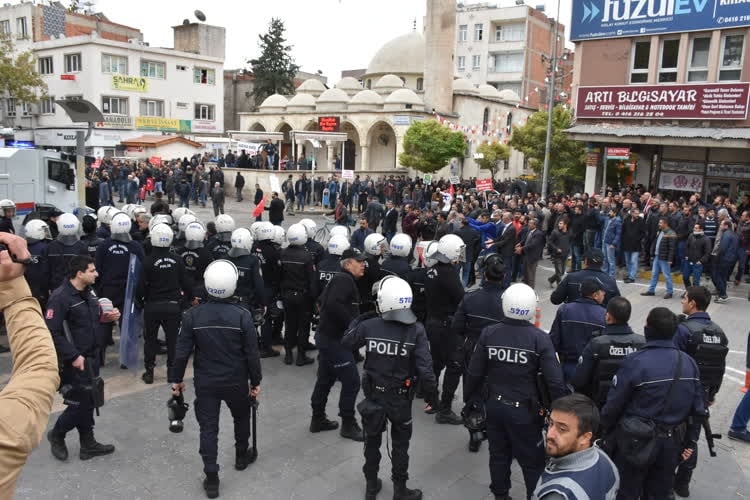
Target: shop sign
x,y
724,170
681,182
116,121
163,124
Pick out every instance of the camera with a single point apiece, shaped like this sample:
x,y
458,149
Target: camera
x,y
176,410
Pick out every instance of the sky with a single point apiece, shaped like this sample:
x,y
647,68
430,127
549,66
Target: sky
x,y
326,35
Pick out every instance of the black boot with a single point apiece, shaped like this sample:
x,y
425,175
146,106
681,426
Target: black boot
x,y
288,356
350,429
268,352
321,423
244,457
445,415
148,376
401,492
373,488
303,359
211,484
474,444
90,448
682,482
57,445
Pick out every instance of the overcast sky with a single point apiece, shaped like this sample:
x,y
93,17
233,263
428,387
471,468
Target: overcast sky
x,y
326,35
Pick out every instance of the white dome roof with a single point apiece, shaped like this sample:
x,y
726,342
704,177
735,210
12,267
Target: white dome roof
x,y
302,100
402,55
333,95
389,82
366,97
464,85
509,96
274,101
487,90
404,96
349,83
310,86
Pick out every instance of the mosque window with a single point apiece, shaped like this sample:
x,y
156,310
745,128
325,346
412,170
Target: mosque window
x,y
485,121
420,83
369,83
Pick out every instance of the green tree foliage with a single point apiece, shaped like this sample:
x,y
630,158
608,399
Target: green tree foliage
x,y
567,157
274,70
429,146
493,154
18,76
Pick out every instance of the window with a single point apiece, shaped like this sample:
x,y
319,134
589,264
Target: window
x,y
47,106
731,57
510,33
420,83
10,106
639,66
205,112
115,105
25,109
45,66
5,27
73,97
114,64
180,67
153,69
698,70
463,33
204,76
476,61
478,30
508,62
72,63
461,63
670,51
150,107
60,171
22,29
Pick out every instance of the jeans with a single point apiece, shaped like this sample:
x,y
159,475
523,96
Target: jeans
x,y
679,252
720,276
742,414
693,270
576,252
300,201
741,263
663,267
631,262
589,236
610,266
157,187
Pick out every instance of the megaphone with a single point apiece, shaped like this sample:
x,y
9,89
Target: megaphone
x,y
176,410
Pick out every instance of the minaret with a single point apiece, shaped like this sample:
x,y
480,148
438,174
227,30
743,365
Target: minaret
x,y
440,42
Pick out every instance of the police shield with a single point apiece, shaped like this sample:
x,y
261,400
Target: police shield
x,y
132,318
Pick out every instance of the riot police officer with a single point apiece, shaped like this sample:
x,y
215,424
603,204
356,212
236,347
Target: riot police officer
x,y
269,257
707,344
331,263
397,351
223,337
507,358
313,246
569,288
477,310
104,216
575,323
374,246
7,212
89,237
195,258
444,291
219,245
63,248
603,355
397,263
182,224
250,292
298,285
37,273
73,317
162,283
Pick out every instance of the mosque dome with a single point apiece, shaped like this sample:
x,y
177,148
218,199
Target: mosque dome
x,y
301,101
365,99
402,55
274,101
311,86
387,84
332,100
465,86
349,84
509,96
487,90
403,99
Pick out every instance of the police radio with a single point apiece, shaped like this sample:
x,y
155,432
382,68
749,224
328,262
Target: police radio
x,y
176,410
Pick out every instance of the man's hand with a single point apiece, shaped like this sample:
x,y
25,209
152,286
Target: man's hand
x,y
16,251
178,388
79,363
254,391
686,453
111,316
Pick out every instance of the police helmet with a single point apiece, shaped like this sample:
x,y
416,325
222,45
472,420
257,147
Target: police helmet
x,y
310,227
177,213
161,236
429,256
220,279
159,219
7,204
393,297
130,210
401,245
100,214
37,230
224,224
242,242
120,227
68,225
264,231
108,214
338,229
338,244
296,235
195,233
375,244
519,302
278,235
138,209
451,248
183,222
254,228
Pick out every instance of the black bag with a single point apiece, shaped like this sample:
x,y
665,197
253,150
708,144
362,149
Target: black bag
x,y
97,389
373,417
636,436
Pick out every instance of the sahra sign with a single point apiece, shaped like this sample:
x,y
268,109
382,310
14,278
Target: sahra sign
x,y
593,19
716,101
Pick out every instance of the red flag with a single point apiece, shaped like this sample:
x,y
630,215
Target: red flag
x,y
452,191
259,208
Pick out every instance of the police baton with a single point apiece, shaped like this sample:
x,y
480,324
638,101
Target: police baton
x,y
254,417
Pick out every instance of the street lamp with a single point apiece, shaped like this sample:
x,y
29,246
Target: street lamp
x,y
550,104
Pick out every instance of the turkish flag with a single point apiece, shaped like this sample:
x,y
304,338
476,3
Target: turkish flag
x,y
452,191
259,208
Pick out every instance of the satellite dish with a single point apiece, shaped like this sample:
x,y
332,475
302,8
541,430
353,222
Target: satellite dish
x,y
200,15
185,22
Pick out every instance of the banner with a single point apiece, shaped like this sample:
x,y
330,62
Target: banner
x,y
618,153
347,174
132,83
681,182
484,184
155,161
163,124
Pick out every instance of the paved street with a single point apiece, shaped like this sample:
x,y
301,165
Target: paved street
x,y
151,462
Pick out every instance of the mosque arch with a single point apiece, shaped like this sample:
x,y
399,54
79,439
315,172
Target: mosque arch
x,y
382,144
257,127
352,147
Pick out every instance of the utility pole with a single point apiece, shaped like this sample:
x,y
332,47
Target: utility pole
x,y
553,60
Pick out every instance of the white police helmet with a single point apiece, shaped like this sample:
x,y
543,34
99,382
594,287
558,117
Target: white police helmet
x,y
519,302
177,213
393,298
108,214
68,224
264,231
338,244
375,244
195,233
184,221
224,224
100,214
254,228
129,210
138,209
120,227
161,236
401,245
242,242
278,235
37,230
296,235
451,248
341,230
310,226
220,278
7,204
429,256
159,219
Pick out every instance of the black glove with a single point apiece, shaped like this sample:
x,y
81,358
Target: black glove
x,y
432,397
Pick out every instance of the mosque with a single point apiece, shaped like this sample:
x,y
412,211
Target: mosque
x,y
363,124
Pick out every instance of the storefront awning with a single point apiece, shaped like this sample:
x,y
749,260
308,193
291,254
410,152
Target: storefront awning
x,y
252,136
319,136
668,135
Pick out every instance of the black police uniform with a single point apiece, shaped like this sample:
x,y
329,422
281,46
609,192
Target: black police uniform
x,y
92,242
327,269
37,273
707,344
316,249
195,260
162,283
640,389
396,353
103,231
6,225
299,285
339,306
417,278
269,257
507,359
569,289
223,337
601,358
220,245
443,293
574,325
397,266
59,255
250,290
373,274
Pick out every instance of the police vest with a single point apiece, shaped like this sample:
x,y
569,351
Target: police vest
x,y
608,357
708,347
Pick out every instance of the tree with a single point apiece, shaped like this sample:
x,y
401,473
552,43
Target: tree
x,y
75,6
492,155
274,70
429,146
18,76
567,157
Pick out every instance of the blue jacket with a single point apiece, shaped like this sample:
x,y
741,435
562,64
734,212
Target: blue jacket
x,y
574,325
728,246
612,231
488,231
358,238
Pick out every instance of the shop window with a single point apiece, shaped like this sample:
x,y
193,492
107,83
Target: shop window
x,y
670,52
731,58
698,71
639,66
